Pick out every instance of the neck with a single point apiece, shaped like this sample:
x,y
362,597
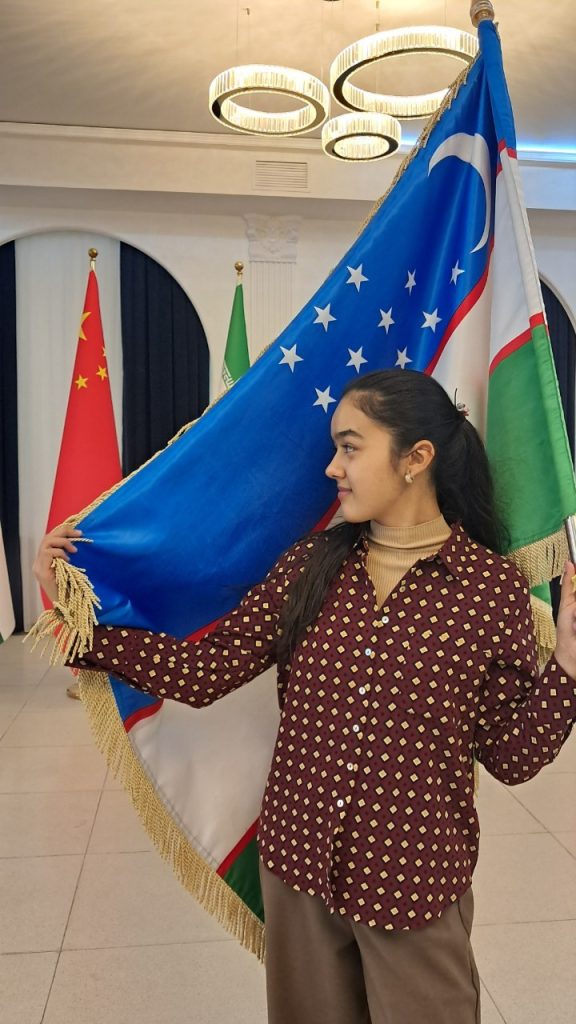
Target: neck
x,y
417,505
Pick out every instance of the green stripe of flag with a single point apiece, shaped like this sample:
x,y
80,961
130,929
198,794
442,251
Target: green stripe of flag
x,y
527,443
243,877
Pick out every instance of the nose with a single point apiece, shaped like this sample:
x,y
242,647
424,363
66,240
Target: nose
x,y
333,470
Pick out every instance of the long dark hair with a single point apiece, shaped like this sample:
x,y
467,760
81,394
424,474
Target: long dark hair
x,y
412,407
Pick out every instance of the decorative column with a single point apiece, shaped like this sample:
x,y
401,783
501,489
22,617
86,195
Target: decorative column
x,y
272,249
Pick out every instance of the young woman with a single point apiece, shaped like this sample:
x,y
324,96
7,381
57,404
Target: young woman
x,y
405,650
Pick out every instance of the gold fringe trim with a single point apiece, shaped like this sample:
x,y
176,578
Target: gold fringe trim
x,y
201,881
69,625
544,629
542,561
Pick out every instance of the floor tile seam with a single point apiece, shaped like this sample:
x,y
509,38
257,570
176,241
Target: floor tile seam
x,y
46,747
81,871
78,792
39,856
532,832
493,998
227,939
32,952
28,952
508,924
36,792
542,831
556,836
50,987
527,809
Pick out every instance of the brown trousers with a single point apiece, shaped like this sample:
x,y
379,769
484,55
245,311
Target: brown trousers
x,y
322,968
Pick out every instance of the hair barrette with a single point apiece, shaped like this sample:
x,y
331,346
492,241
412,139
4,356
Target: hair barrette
x,y
461,407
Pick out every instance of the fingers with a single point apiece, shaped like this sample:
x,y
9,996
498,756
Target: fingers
x,y
568,582
59,543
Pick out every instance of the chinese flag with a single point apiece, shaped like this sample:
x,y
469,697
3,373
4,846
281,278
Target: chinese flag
x,y
89,461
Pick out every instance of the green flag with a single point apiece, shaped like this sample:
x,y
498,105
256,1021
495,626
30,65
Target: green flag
x,y
236,358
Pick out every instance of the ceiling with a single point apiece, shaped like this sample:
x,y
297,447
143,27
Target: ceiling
x,y
147,64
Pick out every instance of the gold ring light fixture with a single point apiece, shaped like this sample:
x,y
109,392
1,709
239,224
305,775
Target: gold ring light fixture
x,y
361,137
251,79
395,42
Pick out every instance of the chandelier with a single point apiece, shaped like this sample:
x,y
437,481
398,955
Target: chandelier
x,y
373,130
396,42
248,79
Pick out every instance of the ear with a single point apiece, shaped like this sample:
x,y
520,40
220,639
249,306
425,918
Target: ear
x,y
420,457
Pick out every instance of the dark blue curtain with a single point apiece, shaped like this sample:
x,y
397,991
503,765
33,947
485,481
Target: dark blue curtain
x,y
165,354
563,340
9,491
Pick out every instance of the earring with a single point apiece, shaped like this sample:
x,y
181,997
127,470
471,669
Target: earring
x,y
408,477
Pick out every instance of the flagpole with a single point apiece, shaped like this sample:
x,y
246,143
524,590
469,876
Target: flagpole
x,y
481,10
93,253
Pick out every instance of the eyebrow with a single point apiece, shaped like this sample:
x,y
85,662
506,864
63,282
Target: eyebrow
x,y
340,434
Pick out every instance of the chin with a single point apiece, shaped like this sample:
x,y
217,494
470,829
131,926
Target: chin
x,y
350,516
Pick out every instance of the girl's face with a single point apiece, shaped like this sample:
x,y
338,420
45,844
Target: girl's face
x,y
371,480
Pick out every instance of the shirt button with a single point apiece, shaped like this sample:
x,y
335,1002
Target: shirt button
x,y
355,728
339,803
385,619
350,767
362,690
369,652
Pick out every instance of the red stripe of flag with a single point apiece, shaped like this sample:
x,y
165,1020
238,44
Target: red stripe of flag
x,y
512,346
237,850
463,309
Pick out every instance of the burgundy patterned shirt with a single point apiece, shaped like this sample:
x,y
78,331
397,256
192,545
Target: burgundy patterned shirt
x,y
369,802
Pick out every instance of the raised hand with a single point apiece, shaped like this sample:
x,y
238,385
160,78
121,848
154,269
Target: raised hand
x,y
55,544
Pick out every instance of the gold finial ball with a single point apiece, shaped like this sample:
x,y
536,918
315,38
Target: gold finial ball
x,y
238,266
481,10
92,253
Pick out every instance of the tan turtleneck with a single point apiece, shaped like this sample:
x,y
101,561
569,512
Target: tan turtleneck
x,y
392,550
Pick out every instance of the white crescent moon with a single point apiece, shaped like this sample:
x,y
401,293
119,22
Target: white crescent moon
x,y
472,149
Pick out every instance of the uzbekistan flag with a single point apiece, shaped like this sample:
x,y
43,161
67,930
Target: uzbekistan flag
x,y
442,280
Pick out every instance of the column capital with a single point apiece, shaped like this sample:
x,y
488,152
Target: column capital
x,y
272,239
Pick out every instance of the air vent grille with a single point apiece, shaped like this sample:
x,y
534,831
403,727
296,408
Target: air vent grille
x,y
281,176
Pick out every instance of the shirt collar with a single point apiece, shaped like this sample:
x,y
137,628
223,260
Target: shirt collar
x,y
454,552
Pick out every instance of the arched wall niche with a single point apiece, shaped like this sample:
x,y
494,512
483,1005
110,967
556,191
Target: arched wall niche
x,y
51,272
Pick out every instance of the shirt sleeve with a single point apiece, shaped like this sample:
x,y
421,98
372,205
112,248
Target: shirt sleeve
x,y
200,672
523,718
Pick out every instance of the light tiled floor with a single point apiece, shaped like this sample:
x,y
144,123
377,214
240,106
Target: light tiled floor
x,y
94,929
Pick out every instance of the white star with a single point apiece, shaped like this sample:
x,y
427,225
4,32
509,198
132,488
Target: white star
x,y
324,316
356,359
402,358
290,357
431,319
356,276
324,398
411,282
456,271
386,320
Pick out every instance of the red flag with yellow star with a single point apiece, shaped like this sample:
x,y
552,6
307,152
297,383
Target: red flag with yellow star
x,y
89,460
